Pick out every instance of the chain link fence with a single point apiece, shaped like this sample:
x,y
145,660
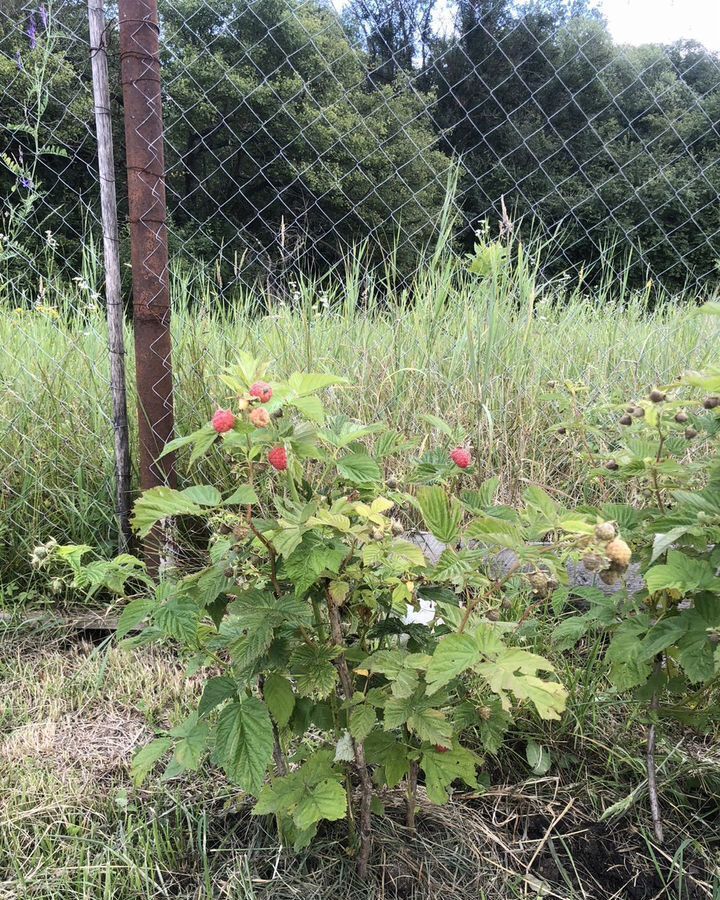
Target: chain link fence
x,y
325,155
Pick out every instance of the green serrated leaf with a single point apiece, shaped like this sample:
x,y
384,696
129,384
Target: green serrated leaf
x,y
681,573
280,698
133,615
178,618
358,468
454,654
569,632
204,439
442,769
515,671
157,504
311,407
216,691
327,800
244,742
429,724
192,740
384,749
405,683
315,675
442,513
661,636
203,495
244,495
362,721
147,757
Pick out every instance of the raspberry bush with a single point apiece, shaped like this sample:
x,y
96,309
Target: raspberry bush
x,y
663,639
320,691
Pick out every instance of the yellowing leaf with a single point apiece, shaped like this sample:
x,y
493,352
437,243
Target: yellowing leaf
x,y
515,671
332,520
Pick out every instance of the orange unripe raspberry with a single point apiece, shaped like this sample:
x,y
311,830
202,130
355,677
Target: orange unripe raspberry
x,y
260,417
618,552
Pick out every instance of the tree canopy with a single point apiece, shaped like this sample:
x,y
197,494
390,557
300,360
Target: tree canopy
x,y
292,132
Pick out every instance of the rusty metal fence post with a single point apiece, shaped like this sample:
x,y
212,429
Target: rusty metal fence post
x,y
140,73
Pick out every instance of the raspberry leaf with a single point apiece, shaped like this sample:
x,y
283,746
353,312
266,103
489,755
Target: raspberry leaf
x,y
244,742
442,514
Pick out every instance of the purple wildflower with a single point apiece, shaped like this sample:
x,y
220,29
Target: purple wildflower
x,y
43,16
19,62
26,183
32,31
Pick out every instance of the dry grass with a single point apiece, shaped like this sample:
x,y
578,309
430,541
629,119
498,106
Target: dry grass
x,y
72,827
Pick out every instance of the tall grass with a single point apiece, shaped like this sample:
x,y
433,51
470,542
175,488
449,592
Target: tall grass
x,y
477,351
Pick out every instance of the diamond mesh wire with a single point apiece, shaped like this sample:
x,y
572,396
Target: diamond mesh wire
x,y
304,136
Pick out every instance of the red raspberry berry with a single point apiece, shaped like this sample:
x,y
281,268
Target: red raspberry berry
x,y
461,457
278,458
440,749
223,420
261,390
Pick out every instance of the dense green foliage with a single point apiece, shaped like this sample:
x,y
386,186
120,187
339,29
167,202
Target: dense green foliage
x,y
292,134
320,685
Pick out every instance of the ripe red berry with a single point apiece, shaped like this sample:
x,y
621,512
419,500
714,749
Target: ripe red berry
x,y
440,749
461,457
278,458
261,390
223,420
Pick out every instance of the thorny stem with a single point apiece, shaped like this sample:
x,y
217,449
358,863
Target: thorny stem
x,y
273,562
650,759
293,488
411,795
278,755
366,788
653,473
